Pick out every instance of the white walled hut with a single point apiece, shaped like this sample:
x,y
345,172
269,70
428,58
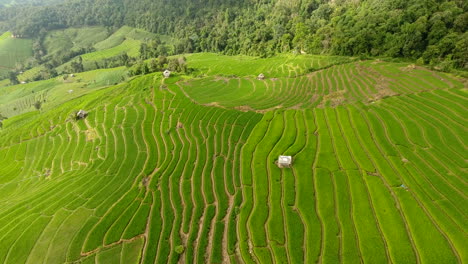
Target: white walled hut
x,y
167,74
82,114
284,161
261,76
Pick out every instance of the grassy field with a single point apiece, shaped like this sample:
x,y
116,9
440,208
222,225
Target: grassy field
x,y
13,51
19,99
182,170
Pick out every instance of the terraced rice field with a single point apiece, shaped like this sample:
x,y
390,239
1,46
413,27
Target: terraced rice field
x,y
19,99
384,189
129,46
158,173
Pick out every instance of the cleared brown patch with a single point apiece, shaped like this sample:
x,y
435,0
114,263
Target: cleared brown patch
x,y
269,109
382,93
221,78
373,173
296,107
383,83
145,181
215,104
314,98
244,108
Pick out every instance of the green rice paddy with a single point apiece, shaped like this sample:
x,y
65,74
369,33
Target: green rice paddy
x,y
183,169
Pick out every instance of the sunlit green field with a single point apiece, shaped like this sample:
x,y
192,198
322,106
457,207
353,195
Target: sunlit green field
x,y
13,51
183,169
19,99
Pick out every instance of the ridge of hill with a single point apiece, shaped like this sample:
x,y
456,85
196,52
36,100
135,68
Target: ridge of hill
x,y
13,51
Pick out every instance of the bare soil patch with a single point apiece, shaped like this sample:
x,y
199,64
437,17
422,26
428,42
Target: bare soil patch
x,y
335,98
221,78
408,68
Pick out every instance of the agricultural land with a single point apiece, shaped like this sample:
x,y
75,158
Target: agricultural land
x,y
183,169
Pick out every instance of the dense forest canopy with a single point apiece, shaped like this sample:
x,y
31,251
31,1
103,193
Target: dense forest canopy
x,y
431,31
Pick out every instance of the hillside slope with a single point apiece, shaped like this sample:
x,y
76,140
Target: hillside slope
x,y
160,173
435,32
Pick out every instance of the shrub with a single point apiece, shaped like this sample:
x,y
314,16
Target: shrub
x,y
179,249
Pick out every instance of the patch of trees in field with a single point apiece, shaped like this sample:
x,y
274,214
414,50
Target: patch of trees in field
x,y
159,64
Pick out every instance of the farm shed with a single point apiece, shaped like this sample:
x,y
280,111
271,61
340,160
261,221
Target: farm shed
x,y
284,161
82,114
166,73
261,76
